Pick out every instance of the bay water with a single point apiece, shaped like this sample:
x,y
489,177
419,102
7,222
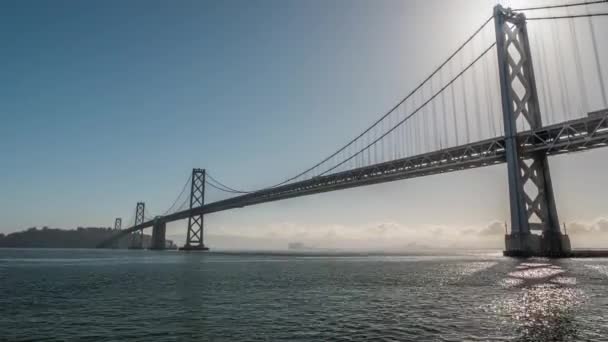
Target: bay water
x,y
119,295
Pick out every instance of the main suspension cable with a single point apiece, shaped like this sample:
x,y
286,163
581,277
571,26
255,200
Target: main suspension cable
x,y
415,111
570,16
222,187
178,196
228,189
562,6
393,108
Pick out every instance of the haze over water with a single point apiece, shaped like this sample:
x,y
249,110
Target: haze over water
x,y
57,295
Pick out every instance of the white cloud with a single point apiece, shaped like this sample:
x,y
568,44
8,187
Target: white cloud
x,y
385,236
591,234
388,236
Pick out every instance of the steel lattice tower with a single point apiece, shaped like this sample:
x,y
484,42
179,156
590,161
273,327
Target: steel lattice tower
x,y
531,196
194,237
118,223
117,226
137,238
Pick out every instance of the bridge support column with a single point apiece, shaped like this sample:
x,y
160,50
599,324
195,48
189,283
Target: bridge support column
x,y
530,190
137,237
117,227
158,235
194,236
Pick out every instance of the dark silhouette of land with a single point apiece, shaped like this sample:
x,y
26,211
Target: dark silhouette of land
x,y
47,237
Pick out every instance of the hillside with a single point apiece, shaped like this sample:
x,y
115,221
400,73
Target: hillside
x,y
60,238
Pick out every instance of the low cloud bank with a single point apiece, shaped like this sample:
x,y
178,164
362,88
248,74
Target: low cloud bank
x,y
386,236
593,234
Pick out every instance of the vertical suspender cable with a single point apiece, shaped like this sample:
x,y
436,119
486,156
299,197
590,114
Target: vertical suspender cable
x,y
544,66
444,113
560,70
476,94
433,118
454,105
464,103
416,129
488,89
600,75
584,102
431,98
422,124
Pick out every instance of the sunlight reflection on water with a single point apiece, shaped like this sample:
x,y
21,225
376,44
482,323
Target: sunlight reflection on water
x,y
543,304
122,296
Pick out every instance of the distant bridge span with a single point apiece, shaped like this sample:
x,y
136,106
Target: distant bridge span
x,y
572,136
423,134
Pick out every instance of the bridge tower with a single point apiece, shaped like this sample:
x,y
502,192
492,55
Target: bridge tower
x,y
194,237
117,226
137,237
531,196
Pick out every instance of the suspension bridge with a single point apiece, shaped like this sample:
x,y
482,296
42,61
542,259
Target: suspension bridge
x,y
528,84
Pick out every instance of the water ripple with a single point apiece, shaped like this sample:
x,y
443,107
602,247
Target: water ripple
x,y
88,295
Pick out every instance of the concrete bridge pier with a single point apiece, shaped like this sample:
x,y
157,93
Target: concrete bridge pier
x,y
548,244
136,240
159,230
555,244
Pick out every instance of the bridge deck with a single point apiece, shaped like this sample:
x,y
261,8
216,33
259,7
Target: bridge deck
x,y
566,137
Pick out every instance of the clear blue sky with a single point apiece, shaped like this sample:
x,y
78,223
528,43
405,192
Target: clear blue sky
x,y
105,103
